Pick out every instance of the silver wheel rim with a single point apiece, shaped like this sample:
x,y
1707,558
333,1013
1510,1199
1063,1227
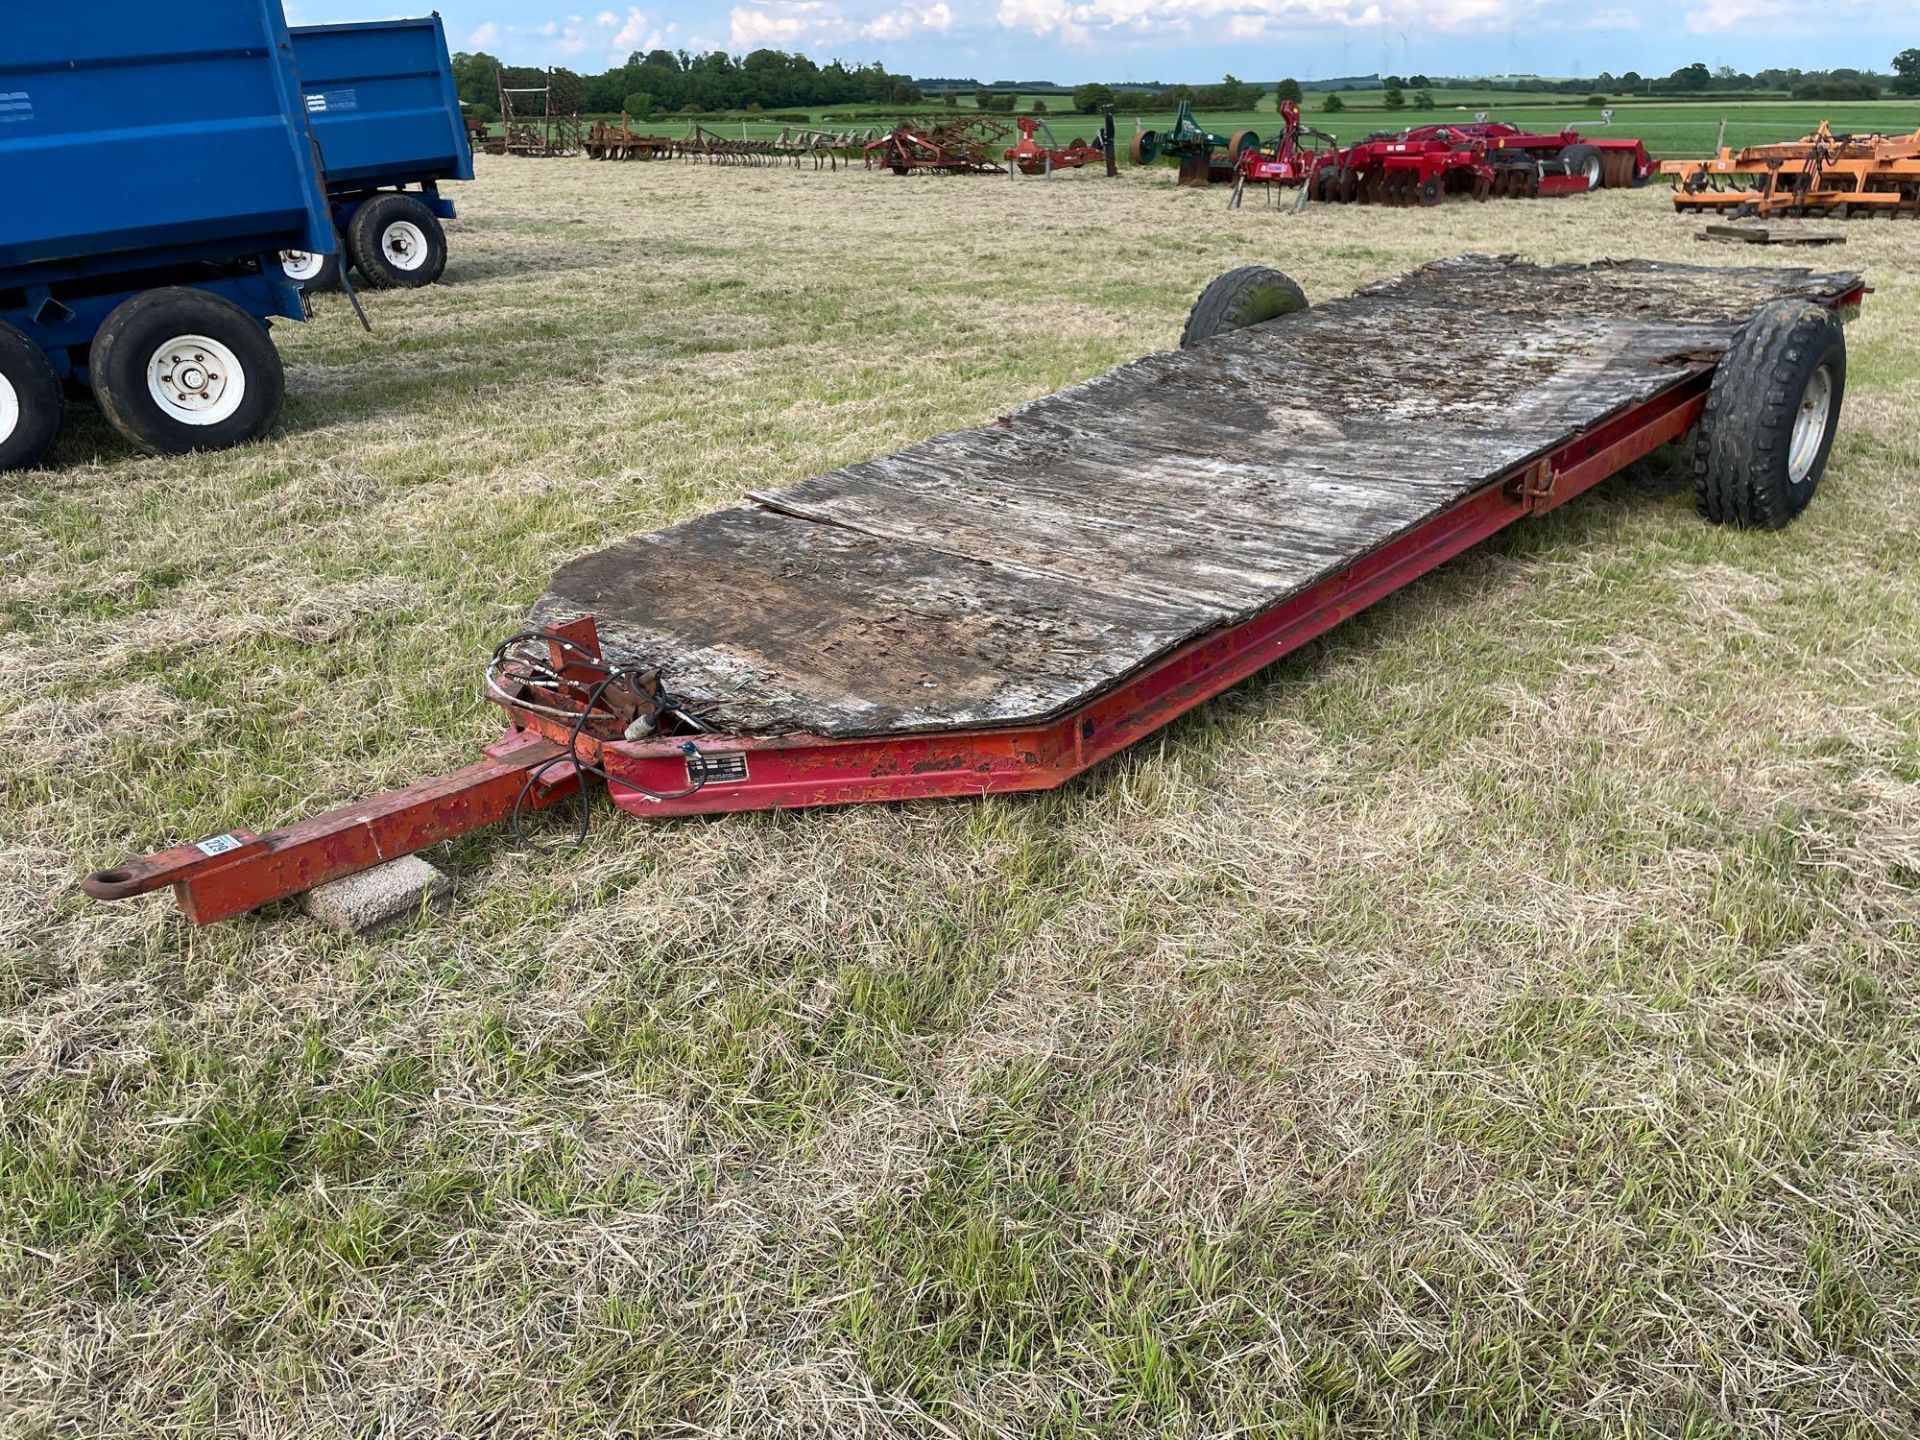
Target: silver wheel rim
x,y
9,409
1810,425
302,265
404,244
196,380
1593,173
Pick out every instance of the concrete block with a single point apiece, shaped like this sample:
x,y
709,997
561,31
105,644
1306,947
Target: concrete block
x,y
375,899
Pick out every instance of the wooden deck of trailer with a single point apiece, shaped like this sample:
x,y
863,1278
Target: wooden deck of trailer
x,y
1006,574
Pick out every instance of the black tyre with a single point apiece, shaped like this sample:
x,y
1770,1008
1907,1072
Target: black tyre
x,y
1585,161
1251,295
176,370
1771,416
396,242
314,274
32,406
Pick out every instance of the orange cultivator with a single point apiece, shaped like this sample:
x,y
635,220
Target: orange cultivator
x,y
1823,174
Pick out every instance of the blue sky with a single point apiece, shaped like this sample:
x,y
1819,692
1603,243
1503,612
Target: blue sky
x,y
1192,40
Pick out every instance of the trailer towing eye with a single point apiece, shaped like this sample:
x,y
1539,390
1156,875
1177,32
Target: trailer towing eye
x,y
241,870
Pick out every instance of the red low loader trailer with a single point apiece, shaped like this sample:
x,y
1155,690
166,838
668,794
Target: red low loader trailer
x,y
1000,608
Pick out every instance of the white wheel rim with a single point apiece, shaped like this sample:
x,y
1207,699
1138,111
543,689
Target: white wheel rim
x,y
195,380
9,410
302,265
1593,173
404,244
1810,425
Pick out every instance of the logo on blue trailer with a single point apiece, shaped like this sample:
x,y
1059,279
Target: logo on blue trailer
x,y
325,102
16,107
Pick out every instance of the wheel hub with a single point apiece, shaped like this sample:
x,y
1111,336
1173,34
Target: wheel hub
x,y
301,265
1810,425
405,245
9,410
196,380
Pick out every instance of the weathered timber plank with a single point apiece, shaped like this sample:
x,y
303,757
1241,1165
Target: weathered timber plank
x,y
1007,573
767,623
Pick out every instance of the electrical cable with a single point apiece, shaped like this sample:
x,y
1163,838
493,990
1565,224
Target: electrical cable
x,y
527,669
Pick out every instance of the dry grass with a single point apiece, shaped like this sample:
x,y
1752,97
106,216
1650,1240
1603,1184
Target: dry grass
x,y
1498,1020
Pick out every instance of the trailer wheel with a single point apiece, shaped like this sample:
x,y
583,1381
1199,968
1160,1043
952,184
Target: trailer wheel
x,y
32,406
313,273
1251,295
1584,160
177,370
1146,147
397,242
1771,415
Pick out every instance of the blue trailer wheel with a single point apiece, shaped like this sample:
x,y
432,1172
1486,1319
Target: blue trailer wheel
x,y
31,405
396,242
313,273
177,370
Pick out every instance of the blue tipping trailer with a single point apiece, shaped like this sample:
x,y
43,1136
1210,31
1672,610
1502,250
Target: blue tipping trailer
x,y
154,161
385,112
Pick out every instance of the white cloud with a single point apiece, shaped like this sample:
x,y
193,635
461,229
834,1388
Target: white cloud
x,y
908,20
783,22
606,17
1075,21
1043,18
637,32
485,35
1718,16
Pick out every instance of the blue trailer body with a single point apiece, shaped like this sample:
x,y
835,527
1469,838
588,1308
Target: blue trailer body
x,y
155,162
135,137
382,102
385,112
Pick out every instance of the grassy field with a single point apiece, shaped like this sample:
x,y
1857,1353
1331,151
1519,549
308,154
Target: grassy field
x,y
1669,130
1497,1020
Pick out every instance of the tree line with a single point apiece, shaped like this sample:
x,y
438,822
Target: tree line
x,y
665,81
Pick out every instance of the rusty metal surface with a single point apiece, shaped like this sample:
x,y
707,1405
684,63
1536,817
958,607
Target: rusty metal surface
x,y
952,147
1004,574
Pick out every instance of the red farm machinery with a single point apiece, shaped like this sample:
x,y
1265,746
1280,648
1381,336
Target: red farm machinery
x,y
957,147
1032,157
1425,164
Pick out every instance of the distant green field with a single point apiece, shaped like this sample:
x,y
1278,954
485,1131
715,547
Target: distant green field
x,y
1669,129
